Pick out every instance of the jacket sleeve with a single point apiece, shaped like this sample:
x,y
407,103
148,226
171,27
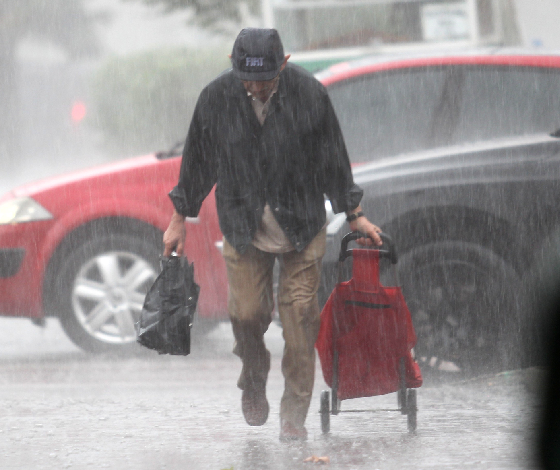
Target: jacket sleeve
x,y
198,172
338,182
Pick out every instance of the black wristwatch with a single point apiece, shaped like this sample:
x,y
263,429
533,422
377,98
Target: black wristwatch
x,y
354,216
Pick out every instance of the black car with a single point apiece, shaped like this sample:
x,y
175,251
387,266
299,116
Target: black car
x,y
471,223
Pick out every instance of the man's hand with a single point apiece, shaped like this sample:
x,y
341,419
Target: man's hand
x,y
362,224
174,236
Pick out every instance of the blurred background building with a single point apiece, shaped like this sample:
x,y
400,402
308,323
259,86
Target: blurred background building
x,y
52,119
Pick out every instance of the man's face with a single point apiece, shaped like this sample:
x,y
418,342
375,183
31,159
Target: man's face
x,y
261,89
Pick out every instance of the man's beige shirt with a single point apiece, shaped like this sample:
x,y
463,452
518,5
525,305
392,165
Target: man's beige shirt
x,y
269,237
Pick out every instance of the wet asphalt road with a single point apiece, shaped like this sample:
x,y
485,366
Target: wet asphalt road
x,y
62,408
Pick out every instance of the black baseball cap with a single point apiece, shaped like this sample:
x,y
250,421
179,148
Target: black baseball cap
x,y
257,54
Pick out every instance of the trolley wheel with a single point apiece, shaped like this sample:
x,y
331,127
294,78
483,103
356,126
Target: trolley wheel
x,y
401,395
402,402
412,407
325,412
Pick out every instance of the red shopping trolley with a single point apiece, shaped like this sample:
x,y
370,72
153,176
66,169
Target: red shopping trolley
x,y
366,337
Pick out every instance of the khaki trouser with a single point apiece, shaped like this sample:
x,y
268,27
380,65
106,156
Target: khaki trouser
x,y
250,303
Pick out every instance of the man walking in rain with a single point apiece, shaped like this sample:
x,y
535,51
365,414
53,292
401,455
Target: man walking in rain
x,y
266,135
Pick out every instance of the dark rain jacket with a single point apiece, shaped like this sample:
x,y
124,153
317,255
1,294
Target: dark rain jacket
x,y
290,162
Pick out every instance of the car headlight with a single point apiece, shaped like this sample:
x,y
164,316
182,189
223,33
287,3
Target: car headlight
x,y
22,209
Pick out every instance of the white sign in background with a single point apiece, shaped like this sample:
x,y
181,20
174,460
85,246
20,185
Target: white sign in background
x,y
445,22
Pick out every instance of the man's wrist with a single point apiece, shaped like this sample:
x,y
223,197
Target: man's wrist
x,y
354,216
178,217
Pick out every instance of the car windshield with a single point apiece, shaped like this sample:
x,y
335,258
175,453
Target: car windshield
x,y
388,113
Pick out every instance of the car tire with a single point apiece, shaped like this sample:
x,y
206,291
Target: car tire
x,y
412,410
325,412
101,287
463,300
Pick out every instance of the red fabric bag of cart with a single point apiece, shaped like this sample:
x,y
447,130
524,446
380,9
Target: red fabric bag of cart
x,y
372,329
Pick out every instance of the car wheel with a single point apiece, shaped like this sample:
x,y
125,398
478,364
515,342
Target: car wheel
x,y
102,286
463,302
412,410
325,412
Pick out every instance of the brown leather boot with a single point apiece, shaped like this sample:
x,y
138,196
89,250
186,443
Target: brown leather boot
x,y
290,432
255,406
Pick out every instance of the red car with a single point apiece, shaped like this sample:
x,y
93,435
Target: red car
x,y
85,246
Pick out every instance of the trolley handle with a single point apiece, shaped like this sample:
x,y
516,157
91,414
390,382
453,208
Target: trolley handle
x,y
387,250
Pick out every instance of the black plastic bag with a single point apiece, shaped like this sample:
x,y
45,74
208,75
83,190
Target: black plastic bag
x,y
166,319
